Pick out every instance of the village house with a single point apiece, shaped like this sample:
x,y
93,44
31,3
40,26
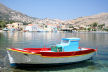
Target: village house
x,y
51,27
32,27
16,26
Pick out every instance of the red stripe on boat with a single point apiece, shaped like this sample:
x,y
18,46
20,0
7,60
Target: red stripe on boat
x,y
55,54
60,54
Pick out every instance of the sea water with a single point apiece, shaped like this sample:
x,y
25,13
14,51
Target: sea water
x,y
99,63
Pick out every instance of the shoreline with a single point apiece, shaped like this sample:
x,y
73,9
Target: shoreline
x,y
65,31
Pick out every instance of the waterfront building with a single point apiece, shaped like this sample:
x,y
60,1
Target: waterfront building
x,y
16,26
32,27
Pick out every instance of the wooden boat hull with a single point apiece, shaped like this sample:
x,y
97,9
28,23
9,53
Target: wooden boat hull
x,y
19,57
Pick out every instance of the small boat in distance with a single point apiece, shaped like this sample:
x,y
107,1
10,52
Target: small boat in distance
x,y
68,51
5,29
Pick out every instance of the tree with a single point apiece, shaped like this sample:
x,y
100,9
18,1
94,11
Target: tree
x,y
2,24
89,29
94,26
101,26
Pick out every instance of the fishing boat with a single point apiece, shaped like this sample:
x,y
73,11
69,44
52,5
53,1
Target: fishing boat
x,y
68,51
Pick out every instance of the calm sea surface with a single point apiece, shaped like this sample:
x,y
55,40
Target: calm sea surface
x,y
99,63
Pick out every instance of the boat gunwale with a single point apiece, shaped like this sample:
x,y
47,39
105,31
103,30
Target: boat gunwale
x,y
56,54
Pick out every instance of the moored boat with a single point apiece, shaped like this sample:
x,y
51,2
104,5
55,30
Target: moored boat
x,y
5,29
66,52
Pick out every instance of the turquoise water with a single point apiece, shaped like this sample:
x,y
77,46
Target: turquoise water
x,y
99,63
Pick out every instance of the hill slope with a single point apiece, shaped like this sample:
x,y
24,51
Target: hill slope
x,y
9,14
101,18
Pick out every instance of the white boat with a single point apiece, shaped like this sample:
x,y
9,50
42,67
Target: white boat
x,y
5,29
66,52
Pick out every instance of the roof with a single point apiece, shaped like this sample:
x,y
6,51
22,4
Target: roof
x,y
70,38
30,24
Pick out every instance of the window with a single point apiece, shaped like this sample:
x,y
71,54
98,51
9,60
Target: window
x,y
65,41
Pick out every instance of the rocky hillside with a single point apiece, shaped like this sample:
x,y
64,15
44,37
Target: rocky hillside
x,y
101,18
4,11
9,14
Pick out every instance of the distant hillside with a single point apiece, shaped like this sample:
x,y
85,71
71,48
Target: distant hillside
x,y
4,12
101,18
9,14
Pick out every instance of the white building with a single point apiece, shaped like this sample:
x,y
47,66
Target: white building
x,y
31,27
